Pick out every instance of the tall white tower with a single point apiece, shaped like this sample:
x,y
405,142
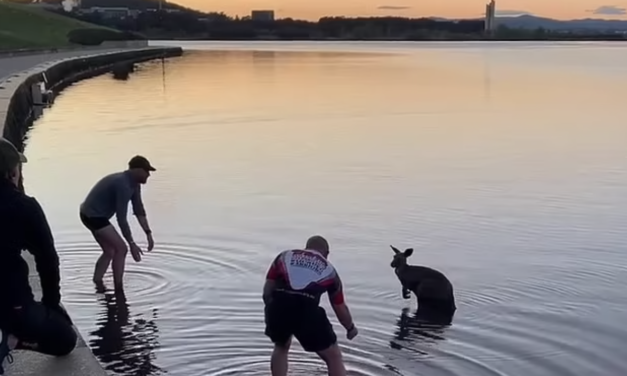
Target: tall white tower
x,y
489,16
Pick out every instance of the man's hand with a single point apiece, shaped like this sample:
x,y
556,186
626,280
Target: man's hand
x,y
352,332
136,252
151,241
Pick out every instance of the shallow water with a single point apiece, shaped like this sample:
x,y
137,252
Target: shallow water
x,y
503,165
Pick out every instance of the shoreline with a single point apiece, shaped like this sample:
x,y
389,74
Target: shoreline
x,y
460,39
18,109
20,106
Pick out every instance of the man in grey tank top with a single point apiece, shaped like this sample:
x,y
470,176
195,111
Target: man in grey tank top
x,y
110,196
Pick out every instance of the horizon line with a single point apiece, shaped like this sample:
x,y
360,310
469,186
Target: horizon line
x,y
478,16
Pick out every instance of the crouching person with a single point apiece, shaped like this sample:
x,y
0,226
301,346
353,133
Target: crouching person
x,y
294,285
26,324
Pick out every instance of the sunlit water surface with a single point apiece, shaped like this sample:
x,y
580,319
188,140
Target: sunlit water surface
x,y
503,165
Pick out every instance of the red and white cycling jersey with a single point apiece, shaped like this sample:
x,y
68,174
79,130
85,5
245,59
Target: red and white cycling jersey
x,y
306,273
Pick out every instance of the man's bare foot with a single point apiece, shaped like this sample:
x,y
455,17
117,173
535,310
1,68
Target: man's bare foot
x,y
119,289
120,296
100,286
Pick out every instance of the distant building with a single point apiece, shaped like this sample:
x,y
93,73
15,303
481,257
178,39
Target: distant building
x,y
490,11
110,12
262,15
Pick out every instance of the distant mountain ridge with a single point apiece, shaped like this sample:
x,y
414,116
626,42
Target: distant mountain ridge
x,y
534,22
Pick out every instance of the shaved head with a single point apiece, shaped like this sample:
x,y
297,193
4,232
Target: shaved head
x,y
318,243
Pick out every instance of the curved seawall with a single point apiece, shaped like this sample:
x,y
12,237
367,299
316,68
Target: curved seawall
x,y
18,106
21,102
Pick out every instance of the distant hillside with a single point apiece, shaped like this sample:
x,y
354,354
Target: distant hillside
x,y
533,22
27,27
131,4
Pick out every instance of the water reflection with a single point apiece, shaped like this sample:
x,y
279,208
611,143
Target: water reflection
x,y
423,326
517,199
263,56
123,344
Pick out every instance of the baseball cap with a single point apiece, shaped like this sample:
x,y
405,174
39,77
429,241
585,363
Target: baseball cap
x,y
10,157
139,161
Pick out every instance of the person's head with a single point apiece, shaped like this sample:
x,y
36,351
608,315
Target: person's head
x,y
140,169
318,243
10,162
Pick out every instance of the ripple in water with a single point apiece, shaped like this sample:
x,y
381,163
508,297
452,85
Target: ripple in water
x,y
196,310
534,243
194,315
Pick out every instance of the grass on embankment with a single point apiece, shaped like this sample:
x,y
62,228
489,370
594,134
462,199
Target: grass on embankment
x,y
23,26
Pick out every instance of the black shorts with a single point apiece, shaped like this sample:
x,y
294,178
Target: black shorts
x,y
309,325
94,224
39,329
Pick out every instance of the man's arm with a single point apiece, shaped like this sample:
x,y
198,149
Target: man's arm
x,y
274,273
268,288
143,222
120,213
336,298
40,243
139,211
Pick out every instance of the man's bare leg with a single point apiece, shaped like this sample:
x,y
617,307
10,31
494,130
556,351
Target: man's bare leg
x,y
114,252
104,260
333,358
279,359
119,264
101,266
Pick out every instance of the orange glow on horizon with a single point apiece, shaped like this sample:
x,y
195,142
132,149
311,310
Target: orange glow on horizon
x,y
559,9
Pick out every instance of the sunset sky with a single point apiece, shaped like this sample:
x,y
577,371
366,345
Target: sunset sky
x,y
562,9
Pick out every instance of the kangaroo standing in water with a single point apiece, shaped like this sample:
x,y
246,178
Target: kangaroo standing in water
x,y
432,289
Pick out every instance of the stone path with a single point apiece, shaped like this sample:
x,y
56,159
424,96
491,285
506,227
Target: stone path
x,y
10,65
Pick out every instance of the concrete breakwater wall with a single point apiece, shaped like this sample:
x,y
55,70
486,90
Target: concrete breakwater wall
x,y
21,111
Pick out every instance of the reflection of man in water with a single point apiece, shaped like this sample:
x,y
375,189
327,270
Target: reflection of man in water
x,y
126,348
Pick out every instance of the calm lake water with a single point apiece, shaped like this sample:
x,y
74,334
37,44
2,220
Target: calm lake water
x,y
503,165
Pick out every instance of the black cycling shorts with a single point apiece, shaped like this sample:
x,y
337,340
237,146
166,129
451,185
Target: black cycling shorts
x,y
94,224
309,325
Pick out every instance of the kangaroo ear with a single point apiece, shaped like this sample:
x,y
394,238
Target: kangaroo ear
x,y
395,249
408,252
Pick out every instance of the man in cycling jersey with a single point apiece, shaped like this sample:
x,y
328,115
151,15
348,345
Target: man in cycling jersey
x,y
294,284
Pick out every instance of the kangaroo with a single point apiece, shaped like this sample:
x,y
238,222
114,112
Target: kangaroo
x,y
432,289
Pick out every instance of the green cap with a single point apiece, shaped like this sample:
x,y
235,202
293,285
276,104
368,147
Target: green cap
x,y
10,157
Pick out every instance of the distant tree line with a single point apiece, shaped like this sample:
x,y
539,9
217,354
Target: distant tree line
x,y
504,32
218,26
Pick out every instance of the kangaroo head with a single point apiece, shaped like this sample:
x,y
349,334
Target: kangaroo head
x,y
400,258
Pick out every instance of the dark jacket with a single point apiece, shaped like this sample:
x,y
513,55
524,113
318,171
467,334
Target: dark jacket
x,y
23,226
